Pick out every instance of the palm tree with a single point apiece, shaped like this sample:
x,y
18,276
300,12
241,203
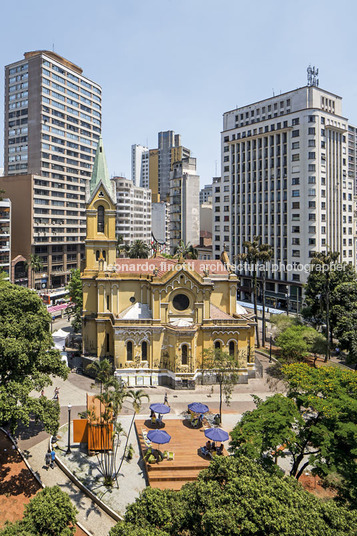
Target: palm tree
x,y
102,370
35,265
139,250
137,401
112,399
187,251
121,247
256,253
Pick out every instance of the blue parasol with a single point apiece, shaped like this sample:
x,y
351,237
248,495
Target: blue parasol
x,y
160,408
159,436
197,407
216,434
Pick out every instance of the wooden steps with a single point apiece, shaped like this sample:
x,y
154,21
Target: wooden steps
x,y
187,463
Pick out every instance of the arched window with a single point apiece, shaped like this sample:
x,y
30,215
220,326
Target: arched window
x,y
217,345
97,255
184,354
144,351
231,348
100,226
129,351
104,253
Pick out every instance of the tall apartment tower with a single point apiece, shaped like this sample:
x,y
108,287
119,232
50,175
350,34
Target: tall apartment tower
x,y
133,216
140,165
285,178
52,127
184,204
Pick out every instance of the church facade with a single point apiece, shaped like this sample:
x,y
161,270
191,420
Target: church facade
x,y
157,319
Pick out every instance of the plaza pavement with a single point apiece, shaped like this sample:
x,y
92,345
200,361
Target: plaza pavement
x,y
34,442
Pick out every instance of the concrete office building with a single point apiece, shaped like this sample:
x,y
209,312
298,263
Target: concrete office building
x,y
140,165
184,204
5,237
133,211
52,127
160,226
285,177
206,194
161,161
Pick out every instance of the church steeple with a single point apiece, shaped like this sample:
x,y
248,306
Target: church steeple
x,y
100,171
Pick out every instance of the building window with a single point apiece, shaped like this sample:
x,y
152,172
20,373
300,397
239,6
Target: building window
x,y
181,302
231,348
97,255
144,351
107,341
184,354
108,302
129,351
100,216
217,345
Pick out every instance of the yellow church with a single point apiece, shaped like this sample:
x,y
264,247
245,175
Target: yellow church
x,y
156,318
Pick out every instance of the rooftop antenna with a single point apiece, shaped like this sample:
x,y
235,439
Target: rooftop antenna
x,y
273,93
312,74
53,47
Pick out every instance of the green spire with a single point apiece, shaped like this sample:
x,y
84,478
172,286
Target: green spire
x,y
100,169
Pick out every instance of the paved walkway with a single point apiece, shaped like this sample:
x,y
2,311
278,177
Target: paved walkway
x,y
34,441
93,519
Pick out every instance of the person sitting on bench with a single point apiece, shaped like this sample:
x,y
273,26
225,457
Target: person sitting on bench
x,y
219,449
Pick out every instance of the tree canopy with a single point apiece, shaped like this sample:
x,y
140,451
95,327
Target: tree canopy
x,y
315,424
76,296
235,497
49,513
344,317
139,250
27,359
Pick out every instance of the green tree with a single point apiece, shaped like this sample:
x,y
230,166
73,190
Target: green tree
x,y
264,433
49,513
121,246
344,317
292,344
137,398
35,265
233,497
256,254
102,370
316,424
76,298
139,250
281,322
112,399
27,358
224,366
325,275
187,251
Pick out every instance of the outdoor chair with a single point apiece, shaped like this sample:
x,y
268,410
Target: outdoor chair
x,y
205,452
148,453
170,455
151,459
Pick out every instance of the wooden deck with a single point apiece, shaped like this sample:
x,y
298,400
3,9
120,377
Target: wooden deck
x,y
187,463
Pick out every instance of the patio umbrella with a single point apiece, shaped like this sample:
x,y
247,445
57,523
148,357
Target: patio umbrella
x,y
159,436
160,408
216,434
197,407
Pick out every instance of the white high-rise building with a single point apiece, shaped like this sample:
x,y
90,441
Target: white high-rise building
x,y
133,218
285,177
160,224
140,165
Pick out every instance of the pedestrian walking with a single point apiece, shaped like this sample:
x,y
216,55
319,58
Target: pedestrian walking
x,y
53,457
166,400
56,393
48,459
42,392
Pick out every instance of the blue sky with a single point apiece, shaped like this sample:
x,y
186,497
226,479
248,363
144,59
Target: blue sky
x,y
179,65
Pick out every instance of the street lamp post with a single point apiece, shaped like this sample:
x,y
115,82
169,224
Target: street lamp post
x,y
68,451
270,360
287,296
